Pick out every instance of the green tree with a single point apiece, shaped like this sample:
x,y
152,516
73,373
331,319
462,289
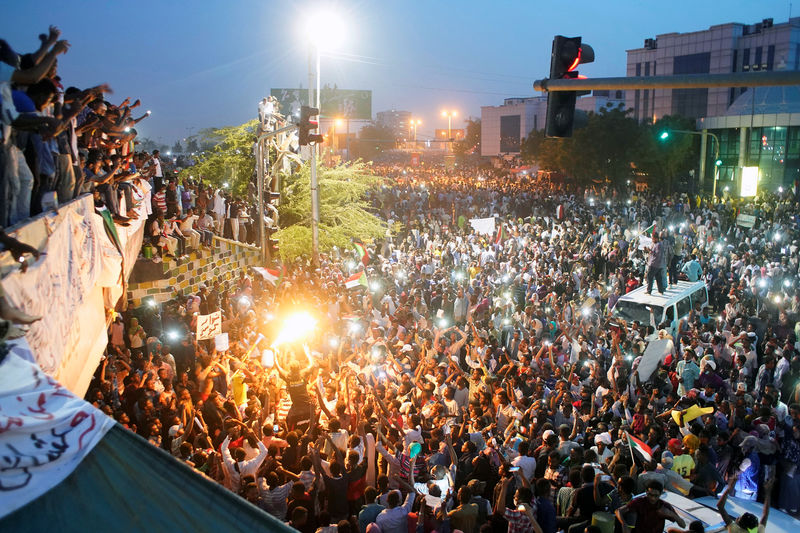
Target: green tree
x,y
604,148
191,145
472,138
229,157
177,148
148,145
373,139
664,160
344,211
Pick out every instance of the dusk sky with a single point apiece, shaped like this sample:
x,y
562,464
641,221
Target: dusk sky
x,y
207,63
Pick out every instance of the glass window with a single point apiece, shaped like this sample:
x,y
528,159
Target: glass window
x,y
757,62
746,59
631,311
509,133
699,296
770,57
684,306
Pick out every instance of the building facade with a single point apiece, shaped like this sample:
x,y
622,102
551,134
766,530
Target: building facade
x,y
504,127
761,132
721,49
398,121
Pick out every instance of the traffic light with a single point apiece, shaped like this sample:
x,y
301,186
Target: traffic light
x,y
308,122
567,54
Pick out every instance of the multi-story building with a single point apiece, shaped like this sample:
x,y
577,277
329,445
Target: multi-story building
x,y
724,48
503,127
398,121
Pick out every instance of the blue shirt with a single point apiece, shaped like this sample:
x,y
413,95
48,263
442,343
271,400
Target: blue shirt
x,y
546,515
693,270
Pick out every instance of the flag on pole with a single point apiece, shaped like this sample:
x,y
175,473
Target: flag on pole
x,y
362,252
357,279
649,230
643,449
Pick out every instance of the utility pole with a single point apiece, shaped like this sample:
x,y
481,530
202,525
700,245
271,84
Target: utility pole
x,y
314,182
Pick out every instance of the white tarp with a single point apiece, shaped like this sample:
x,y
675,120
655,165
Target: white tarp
x,y
209,326
55,287
484,226
654,355
45,431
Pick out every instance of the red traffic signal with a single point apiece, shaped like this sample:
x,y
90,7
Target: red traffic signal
x,y
566,55
308,122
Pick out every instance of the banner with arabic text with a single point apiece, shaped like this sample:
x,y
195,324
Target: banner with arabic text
x,y
45,430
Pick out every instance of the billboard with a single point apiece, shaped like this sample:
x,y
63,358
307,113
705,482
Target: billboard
x,y
334,102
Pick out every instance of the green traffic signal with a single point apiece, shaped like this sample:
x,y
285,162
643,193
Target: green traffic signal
x,y
664,135
718,162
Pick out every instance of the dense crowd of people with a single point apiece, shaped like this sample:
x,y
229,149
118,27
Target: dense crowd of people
x,y
186,214
482,381
59,141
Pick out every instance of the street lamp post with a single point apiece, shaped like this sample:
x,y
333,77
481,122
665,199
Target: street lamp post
x,y
449,115
717,162
415,123
324,27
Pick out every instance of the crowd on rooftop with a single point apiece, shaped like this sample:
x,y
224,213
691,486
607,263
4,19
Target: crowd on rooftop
x,y
482,382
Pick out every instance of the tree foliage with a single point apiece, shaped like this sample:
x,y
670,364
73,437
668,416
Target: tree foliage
x,y
345,213
611,144
373,139
227,158
471,142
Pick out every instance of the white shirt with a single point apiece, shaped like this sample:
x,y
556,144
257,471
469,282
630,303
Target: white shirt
x,y
527,465
245,468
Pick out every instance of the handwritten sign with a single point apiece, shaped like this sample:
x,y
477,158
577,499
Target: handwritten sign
x,y
45,431
209,326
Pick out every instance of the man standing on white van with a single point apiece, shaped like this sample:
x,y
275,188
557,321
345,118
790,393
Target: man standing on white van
x,y
657,264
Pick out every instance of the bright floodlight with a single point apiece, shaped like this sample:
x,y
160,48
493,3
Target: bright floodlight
x,y
152,303
780,190
777,236
334,342
762,283
325,28
173,335
295,327
374,286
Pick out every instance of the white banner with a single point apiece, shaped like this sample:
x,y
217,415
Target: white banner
x,y
654,355
484,226
45,431
209,326
55,287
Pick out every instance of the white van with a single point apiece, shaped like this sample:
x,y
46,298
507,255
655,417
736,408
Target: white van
x,y
674,304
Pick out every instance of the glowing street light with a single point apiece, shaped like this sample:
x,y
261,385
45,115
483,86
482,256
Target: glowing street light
x,y
449,115
324,28
414,123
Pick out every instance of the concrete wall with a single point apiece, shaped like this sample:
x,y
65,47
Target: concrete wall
x,y
223,263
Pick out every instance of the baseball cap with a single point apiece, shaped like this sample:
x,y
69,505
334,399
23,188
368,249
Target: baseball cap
x,y
674,443
546,435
